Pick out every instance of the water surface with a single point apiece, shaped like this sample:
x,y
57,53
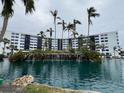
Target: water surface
x,y
107,77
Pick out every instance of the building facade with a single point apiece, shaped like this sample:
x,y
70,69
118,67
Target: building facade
x,y
103,43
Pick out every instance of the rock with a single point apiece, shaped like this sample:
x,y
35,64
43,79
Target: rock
x,y
23,81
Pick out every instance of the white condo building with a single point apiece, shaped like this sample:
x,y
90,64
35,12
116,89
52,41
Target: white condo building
x,y
103,43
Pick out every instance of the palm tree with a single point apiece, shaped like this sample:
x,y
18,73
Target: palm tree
x,y
50,30
75,22
69,28
114,49
5,41
42,36
91,13
80,41
7,11
74,34
12,48
102,47
63,26
54,14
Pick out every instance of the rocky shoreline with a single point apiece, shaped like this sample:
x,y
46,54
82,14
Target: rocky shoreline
x,y
26,84
61,90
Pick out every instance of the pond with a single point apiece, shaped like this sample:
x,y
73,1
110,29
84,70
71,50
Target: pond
x,y
107,77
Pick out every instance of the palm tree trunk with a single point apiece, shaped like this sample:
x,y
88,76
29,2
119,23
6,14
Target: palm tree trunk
x,y
68,34
4,49
88,32
62,34
55,35
114,53
12,51
68,40
88,25
62,39
5,23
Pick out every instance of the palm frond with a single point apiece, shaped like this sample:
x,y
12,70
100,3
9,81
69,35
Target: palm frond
x,y
47,30
90,22
52,13
7,8
55,12
59,18
29,6
78,22
59,23
95,15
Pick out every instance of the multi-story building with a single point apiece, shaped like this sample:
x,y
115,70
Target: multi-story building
x,y
103,43
106,42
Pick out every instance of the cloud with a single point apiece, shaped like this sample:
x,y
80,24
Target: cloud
x,y
110,19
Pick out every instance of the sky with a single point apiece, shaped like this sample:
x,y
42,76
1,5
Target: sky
x,y
111,16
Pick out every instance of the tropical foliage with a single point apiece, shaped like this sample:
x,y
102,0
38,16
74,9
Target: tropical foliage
x,y
17,57
8,11
91,14
5,41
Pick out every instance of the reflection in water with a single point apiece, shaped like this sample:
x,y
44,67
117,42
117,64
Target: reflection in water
x,y
107,77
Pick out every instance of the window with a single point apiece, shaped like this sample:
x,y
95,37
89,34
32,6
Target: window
x,y
12,42
106,40
17,37
97,41
21,46
106,37
96,38
12,39
107,49
13,33
21,43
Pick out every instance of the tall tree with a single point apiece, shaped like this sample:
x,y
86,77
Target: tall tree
x,y
7,11
69,28
50,30
42,36
5,41
114,49
81,40
63,24
91,14
74,32
12,48
54,14
75,22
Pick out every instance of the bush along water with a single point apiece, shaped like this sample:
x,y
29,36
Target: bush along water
x,y
16,57
72,54
1,57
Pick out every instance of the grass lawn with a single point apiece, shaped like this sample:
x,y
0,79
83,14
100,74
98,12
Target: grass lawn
x,y
47,89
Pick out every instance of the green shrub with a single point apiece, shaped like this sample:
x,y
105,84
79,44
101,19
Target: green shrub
x,y
16,57
1,57
90,55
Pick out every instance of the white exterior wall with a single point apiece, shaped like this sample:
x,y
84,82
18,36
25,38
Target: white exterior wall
x,y
7,35
18,40
110,40
113,42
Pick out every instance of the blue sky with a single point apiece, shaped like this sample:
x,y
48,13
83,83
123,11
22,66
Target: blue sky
x,y
111,19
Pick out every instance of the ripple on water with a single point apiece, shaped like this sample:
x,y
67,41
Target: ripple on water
x,y
107,77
